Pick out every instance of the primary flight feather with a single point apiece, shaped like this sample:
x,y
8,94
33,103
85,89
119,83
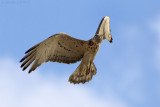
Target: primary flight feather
x,y
63,48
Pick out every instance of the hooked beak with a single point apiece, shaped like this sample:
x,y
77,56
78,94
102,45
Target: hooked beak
x,y
98,37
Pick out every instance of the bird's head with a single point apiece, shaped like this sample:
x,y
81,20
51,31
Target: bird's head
x,y
98,38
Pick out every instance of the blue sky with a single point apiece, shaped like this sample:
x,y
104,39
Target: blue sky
x,y
128,69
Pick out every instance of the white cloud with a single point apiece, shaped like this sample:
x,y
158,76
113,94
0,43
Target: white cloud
x,y
18,89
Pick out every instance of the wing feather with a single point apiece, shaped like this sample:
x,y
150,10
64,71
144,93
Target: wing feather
x,y
60,48
31,48
104,29
27,59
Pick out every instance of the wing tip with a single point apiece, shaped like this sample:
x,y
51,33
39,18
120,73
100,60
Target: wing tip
x,y
111,41
21,60
106,17
22,65
27,51
24,68
30,71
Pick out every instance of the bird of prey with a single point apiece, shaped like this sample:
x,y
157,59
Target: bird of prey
x,y
63,48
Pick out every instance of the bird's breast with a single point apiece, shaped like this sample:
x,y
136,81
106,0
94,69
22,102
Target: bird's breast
x,y
93,48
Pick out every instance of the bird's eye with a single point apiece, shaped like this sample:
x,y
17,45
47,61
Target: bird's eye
x,y
101,36
95,35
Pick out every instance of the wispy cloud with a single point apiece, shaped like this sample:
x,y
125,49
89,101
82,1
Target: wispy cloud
x,y
18,89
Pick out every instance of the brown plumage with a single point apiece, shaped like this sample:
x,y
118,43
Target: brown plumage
x,y
63,48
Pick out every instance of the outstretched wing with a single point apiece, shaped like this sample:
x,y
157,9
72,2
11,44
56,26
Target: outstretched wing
x,y
104,29
60,48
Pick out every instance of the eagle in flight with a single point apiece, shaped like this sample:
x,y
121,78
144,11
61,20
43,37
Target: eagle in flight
x,y
63,48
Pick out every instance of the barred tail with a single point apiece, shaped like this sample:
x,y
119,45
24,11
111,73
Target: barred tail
x,y
83,74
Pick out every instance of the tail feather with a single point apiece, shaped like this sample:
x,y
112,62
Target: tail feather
x,y
83,74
